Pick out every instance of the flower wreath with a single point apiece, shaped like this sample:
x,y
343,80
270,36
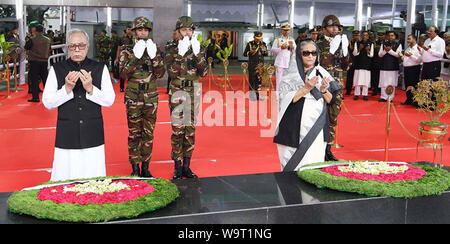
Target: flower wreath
x,y
378,178
94,200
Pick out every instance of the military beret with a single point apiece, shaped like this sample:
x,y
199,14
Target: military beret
x,y
302,30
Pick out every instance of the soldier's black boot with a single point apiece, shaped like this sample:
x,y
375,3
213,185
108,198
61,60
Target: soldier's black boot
x,y
136,169
178,172
329,155
144,171
187,172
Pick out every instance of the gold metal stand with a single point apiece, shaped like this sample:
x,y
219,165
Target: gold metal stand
x,y
389,91
210,76
244,67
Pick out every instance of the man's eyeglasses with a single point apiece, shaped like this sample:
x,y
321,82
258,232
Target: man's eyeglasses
x,y
81,46
307,53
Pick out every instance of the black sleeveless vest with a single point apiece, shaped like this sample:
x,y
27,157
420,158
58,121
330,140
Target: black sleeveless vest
x,y
362,61
80,121
390,62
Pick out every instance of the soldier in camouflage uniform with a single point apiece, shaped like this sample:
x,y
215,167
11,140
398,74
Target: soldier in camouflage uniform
x,y
332,27
185,62
141,64
103,47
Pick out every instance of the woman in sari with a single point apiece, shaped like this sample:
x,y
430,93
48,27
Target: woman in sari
x,y
305,90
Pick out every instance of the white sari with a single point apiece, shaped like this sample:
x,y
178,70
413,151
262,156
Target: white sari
x,y
312,108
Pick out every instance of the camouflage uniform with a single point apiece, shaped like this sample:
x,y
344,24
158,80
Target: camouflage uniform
x,y
330,62
141,97
103,46
184,94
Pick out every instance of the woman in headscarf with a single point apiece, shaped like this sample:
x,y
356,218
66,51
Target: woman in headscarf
x,y
305,90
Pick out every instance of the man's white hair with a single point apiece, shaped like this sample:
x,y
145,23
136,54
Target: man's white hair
x,y
76,30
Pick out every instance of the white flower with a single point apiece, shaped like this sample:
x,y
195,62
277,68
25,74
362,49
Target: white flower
x,y
97,187
373,168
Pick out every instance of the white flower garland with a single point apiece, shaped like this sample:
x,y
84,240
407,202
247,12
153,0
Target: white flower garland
x,y
372,168
98,187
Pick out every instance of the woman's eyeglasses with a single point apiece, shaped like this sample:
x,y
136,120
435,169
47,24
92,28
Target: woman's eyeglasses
x,y
81,46
307,53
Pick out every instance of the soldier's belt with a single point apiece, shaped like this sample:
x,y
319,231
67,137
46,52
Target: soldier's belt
x,y
187,83
139,86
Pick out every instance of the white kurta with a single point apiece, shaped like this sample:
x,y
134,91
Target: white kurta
x,y
362,76
78,163
436,50
389,77
312,109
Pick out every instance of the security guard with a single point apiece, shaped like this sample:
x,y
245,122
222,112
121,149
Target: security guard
x,y
185,62
255,51
141,64
331,58
104,48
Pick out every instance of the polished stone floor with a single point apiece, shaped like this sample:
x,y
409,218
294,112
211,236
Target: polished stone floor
x,y
274,198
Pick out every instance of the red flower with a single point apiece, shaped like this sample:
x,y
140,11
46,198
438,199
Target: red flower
x,y
413,173
57,195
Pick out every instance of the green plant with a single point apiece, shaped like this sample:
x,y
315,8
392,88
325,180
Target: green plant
x,y
433,98
204,43
223,54
6,49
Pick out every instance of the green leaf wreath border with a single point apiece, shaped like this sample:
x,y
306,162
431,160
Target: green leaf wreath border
x,y
435,182
26,202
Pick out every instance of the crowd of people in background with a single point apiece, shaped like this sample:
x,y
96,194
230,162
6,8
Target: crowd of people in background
x,y
376,59
389,58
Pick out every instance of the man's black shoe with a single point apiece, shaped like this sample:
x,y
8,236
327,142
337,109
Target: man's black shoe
x,y
33,100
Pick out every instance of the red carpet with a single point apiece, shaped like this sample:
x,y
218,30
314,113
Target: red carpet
x,y
28,133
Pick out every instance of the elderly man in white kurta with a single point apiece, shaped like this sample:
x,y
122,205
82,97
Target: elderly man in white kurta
x,y
78,87
283,46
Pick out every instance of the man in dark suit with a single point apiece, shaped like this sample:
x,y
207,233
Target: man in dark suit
x,y
38,50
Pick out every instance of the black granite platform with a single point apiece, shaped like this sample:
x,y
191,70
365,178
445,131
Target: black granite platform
x,y
274,198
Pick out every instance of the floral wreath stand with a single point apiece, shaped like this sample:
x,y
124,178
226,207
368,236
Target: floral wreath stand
x,y
93,200
392,179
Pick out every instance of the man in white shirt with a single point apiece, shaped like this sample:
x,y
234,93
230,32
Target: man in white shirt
x,y
433,51
283,46
78,87
412,60
389,54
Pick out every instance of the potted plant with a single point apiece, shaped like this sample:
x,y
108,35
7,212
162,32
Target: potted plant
x,y
223,55
6,49
433,98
